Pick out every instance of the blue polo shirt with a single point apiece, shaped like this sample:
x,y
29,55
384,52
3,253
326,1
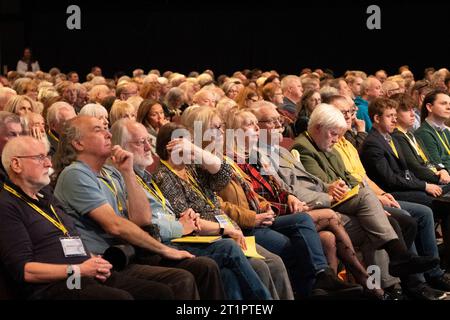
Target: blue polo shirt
x,y
80,190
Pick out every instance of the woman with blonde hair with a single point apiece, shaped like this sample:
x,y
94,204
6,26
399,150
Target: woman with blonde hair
x,y
287,218
21,105
121,109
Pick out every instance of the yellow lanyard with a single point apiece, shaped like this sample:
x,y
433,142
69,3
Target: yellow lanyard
x,y
238,171
50,133
416,146
156,193
193,183
57,224
391,143
112,188
445,144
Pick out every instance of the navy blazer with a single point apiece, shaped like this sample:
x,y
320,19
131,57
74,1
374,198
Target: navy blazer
x,y
384,168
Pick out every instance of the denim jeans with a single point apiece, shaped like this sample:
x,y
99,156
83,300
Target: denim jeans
x,y
228,255
426,238
294,238
440,210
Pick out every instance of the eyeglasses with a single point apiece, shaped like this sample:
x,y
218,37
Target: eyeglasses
x,y
274,121
39,157
141,142
348,112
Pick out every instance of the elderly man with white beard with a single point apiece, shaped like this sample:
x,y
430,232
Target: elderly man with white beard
x,y
236,271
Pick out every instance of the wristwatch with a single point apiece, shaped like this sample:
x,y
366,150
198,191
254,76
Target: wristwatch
x,y
221,231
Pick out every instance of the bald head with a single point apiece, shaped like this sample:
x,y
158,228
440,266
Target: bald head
x,y
21,146
371,89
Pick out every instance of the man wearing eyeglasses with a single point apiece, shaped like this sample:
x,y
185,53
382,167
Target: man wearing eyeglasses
x,y
39,246
10,127
110,207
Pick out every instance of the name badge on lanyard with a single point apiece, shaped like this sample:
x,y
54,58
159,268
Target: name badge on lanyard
x,y
224,221
72,247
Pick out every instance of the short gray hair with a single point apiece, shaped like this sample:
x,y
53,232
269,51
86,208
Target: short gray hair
x,y
8,117
53,111
327,116
258,105
120,133
92,109
287,80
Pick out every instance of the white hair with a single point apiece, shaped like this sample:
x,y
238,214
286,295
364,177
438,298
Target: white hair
x,y
328,117
93,110
53,111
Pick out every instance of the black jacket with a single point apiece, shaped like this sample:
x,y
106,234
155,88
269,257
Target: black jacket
x,y
384,168
414,162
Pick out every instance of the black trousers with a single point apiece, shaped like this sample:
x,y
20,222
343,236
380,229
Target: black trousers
x,y
205,271
117,287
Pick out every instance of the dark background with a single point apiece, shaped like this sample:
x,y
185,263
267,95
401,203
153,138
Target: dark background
x,y
226,35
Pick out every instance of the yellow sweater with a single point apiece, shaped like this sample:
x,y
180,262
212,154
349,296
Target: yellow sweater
x,y
351,159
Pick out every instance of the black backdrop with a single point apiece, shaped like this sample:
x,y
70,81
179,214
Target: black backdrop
x,y
226,35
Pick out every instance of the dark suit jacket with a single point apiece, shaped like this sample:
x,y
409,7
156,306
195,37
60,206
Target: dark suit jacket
x,y
414,162
384,168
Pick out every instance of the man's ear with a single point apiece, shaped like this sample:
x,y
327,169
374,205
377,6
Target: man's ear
x,y
316,129
428,106
15,166
77,145
376,119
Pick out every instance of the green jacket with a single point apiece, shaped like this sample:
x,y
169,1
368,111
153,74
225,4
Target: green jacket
x,y
327,166
436,150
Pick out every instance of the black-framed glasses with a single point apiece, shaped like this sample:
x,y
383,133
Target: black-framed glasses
x,y
39,157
